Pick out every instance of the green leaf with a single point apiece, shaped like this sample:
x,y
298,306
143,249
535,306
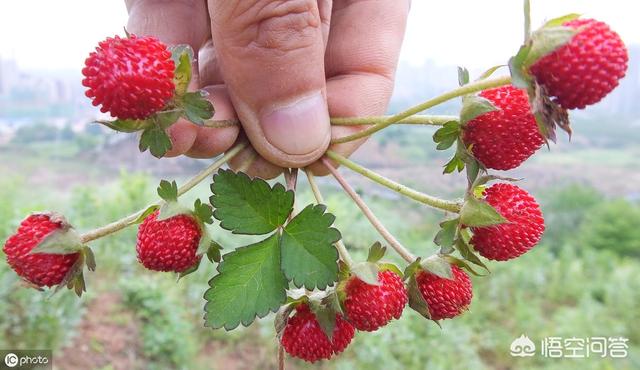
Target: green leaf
x,y
197,108
203,212
249,206
463,76
478,213
182,56
438,266
376,252
146,213
168,191
447,233
447,135
250,284
559,21
60,241
546,40
474,106
156,140
367,272
126,125
309,257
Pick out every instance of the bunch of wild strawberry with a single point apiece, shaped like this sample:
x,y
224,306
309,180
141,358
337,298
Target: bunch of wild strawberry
x,y
301,269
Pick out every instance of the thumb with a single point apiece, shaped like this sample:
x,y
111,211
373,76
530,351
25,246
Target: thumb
x,y
271,55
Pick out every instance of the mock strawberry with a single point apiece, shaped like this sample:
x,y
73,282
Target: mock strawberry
x,y
369,307
303,337
587,68
521,232
40,269
168,245
504,138
446,298
132,78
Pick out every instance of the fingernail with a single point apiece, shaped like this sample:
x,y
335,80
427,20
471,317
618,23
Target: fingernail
x,y
300,127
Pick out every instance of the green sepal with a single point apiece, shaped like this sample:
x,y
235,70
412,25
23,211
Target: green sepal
x,y
156,140
463,76
168,191
447,135
182,56
464,248
474,106
376,252
413,268
203,212
147,212
126,125
438,266
367,272
64,240
447,233
416,300
478,213
386,266
196,107
559,21
189,271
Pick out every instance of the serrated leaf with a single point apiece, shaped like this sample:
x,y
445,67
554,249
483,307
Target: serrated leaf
x,y
126,125
146,213
196,107
376,252
168,191
249,206
182,56
478,213
438,266
546,40
463,76
59,241
309,257
367,272
203,212
559,21
250,284
156,140
416,300
474,106
447,233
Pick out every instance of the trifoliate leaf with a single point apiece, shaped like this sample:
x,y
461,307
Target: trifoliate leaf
x,y
250,284
182,56
249,206
367,272
447,233
438,266
376,252
463,76
126,125
197,108
309,257
476,212
474,106
168,191
156,140
60,241
447,135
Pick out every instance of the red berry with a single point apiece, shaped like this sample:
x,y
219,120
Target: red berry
x,y
587,68
40,269
370,307
504,138
446,298
132,78
168,245
303,337
521,232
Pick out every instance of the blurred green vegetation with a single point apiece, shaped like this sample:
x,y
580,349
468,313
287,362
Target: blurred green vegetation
x,y
581,281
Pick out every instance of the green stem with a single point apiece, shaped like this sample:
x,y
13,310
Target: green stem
x,y
429,200
342,249
429,120
460,91
375,222
130,220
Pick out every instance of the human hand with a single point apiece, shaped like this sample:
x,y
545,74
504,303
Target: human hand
x,y
281,67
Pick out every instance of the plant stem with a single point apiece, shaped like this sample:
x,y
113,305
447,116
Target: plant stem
x,y
342,249
130,220
460,91
430,120
395,244
429,200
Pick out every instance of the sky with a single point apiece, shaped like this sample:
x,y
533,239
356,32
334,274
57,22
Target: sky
x,y
51,35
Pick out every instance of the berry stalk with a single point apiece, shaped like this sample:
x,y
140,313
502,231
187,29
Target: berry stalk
x,y
131,219
428,120
460,91
342,249
429,200
375,222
